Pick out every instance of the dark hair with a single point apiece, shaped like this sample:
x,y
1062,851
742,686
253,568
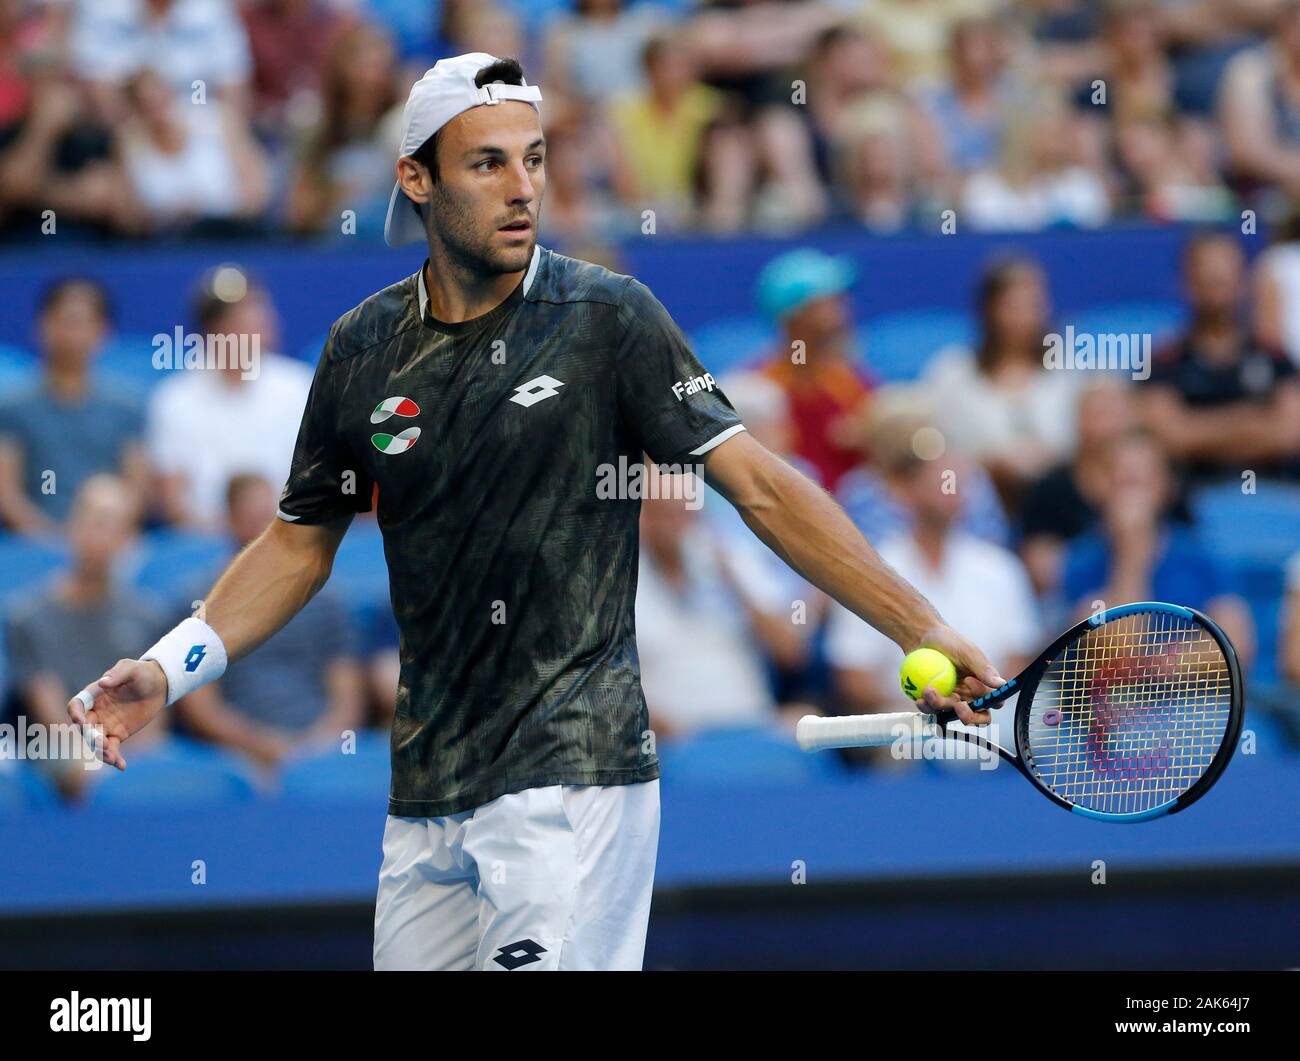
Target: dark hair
x,y
56,292
239,484
996,279
1208,237
503,71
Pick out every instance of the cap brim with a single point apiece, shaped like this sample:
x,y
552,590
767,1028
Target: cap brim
x,y
403,224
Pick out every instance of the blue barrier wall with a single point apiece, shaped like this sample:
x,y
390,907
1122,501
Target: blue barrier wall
x,y
698,280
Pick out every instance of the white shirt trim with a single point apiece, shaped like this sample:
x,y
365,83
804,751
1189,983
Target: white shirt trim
x,y
717,440
528,280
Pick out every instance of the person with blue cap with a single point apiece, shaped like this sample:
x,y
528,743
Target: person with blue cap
x,y
804,293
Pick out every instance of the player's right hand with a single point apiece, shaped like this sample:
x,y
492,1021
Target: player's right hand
x,y
122,702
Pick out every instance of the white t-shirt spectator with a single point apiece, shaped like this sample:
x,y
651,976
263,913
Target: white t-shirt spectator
x,y
700,665
199,181
1074,196
984,421
203,428
980,589
196,40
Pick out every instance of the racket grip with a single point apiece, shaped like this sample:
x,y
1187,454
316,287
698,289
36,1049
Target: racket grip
x,y
863,731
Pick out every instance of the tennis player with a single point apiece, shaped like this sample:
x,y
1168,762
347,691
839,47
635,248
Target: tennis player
x,y
488,396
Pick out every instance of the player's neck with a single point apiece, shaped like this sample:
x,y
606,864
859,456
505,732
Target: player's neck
x,y
455,296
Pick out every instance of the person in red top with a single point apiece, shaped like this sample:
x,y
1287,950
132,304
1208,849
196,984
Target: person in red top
x,y
804,292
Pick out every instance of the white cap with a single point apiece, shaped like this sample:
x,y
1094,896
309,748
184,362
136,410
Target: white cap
x,y
446,90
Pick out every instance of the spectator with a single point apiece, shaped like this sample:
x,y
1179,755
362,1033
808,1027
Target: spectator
x,y
198,48
578,208
692,593
1216,399
918,34
969,111
82,614
749,51
1277,288
866,497
999,404
804,293
1259,108
974,584
187,165
288,43
1066,500
659,133
57,170
205,425
1169,166
846,73
1042,179
881,181
1137,553
595,53
346,162
302,687
66,427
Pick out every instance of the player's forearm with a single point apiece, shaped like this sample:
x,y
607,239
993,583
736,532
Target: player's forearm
x,y
803,525
265,586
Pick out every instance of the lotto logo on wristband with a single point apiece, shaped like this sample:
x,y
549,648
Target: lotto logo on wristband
x,y
194,658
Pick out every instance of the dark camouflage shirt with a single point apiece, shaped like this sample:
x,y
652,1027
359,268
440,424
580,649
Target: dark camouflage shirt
x,y
512,573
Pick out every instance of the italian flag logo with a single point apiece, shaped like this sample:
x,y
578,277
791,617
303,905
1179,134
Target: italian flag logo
x,y
401,442
398,406
395,443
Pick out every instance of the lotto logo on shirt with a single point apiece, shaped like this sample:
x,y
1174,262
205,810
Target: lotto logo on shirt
x,y
684,388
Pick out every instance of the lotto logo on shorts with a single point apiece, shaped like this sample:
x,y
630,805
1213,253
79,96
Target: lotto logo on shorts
x,y
515,955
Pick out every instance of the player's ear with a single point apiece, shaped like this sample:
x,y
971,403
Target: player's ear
x,y
415,179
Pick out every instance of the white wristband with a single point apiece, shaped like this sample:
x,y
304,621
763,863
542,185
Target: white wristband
x,y
191,654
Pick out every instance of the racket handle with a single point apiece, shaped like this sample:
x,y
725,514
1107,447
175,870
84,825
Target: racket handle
x,y
863,731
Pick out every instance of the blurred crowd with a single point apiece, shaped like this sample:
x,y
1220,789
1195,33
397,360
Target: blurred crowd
x,y
1017,497
155,117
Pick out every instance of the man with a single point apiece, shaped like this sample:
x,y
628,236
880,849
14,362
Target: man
x,y
971,579
302,687
1137,552
491,396
66,427
206,425
697,590
1215,399
82,606
804,293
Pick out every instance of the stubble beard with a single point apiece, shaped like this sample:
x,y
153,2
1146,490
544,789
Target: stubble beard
x,y
469,249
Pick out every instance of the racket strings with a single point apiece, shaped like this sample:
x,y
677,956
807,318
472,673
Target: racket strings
x,y
1129,716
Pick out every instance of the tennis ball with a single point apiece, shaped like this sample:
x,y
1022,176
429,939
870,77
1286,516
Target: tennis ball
x,y
926,666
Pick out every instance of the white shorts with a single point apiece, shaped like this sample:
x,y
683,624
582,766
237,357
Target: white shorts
x,y
547,878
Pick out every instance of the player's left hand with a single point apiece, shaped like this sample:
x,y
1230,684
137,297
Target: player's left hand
x,y
975,676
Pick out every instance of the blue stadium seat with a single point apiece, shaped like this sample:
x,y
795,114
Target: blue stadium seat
x,y
899,345
732,343
177,773
360,571
732,756
1158,319
1260,528
23,788
310,352
168,562
18,367
330,775
25,564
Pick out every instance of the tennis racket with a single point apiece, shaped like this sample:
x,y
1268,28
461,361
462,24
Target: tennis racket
x,y
1130,715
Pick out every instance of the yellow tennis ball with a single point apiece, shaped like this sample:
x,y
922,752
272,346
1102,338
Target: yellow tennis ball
x,y
926,666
